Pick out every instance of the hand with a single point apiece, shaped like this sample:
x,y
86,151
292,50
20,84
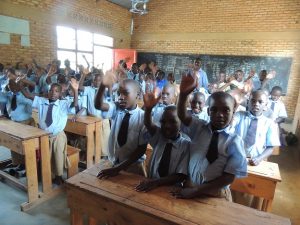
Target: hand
x,y
142,67
188,83
74,84
151,99
184,192
146,185
106,173
252,73
271,75
254,161
52,70
74,118
109,78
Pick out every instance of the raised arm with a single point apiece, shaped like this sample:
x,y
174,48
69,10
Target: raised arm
x,y
187,85
149,102
84,73
50,73
108,80
74,85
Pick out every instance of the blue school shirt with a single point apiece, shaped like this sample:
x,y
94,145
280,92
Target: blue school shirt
x,y
90,93
231,158
266,133
82,103
59,114
43,86
279,109
202,79
157,112
201,116
136,132
179,155
23,110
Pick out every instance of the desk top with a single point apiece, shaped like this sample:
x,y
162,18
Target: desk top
x,y
19,130
84,119
265,169
161,204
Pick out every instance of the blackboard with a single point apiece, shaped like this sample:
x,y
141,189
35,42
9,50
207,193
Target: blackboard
x,y
213,64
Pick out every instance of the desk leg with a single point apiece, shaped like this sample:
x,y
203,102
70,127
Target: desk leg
x,y
76,217
267,205
29,147
90,145
46,165
98,142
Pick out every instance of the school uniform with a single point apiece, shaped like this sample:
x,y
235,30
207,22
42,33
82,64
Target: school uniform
x,y
3,83
58,117
230,155
82,103
157,112
202,79
278,109
117,152
203,115
179,157
257,84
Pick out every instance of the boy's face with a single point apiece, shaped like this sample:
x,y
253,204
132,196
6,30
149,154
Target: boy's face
x,y
275,95
13,86
262,76
221,112
97,81
258,102
54,93
197,65
239,76
135,69
197,104
170,124
167,95
128,96
222,77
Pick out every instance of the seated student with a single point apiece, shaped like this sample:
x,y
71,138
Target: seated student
x,y
126,140
263,81
53,116
277,106
81,109
169,160
216,154
198,109
134,72
259,134
268,112
167,98
19,110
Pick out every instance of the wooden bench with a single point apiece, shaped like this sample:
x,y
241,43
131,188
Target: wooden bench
x,y
261,182
114,201
73,155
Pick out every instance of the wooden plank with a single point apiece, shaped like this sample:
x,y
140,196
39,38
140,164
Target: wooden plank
x,y
266,170
14,181
160,204
13,143
98,142
76,217
31,169
85,119
90,140
46,165
76,128
15,129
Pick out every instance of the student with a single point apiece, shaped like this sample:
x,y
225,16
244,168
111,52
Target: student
x,y
68,71
201,75
160,79
134,72
167,98
150,83
19,110
216,154
263,81
169,160
126,140
198,109
53,116
277,106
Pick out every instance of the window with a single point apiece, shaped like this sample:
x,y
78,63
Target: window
x,y
79,46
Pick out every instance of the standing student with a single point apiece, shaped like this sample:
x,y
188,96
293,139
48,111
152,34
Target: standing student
x,y
216,154
169,160
277,106
53,116
126,140
201,75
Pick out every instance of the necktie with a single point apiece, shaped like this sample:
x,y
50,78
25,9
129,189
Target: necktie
x,y
48,119
212,153
123,132
13,102
163,168
273,106
251,133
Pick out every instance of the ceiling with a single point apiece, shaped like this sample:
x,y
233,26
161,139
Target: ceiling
x,y
124,3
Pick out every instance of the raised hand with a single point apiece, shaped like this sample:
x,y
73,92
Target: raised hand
x,y
271,75
151,99
74,84
188,83
109,78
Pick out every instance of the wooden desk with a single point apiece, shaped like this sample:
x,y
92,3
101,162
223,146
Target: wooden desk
x,y
261,182
25,140
114,201
90,127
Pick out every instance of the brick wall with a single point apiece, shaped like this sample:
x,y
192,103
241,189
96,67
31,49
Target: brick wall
x,y
224,27
102,17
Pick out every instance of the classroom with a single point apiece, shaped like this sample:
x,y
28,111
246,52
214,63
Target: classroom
x,y
149,112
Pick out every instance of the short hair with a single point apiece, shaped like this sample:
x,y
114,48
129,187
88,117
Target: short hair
x,y
56,85
198,93
198,59
170,86
172,108
132,82
95,75
239,70
259,91
160,72
221,94
276,88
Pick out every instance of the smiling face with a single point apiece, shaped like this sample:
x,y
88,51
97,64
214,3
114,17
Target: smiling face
x,y
221,110
128,94
170,123
275,95
257,103
54,92
197,102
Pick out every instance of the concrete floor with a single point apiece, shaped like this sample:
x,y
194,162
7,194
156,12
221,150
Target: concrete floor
x,y
55,211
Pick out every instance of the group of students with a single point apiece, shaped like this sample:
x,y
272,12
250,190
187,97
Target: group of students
x,y
201,139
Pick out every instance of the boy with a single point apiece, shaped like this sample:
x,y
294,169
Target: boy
x,y
167,98
169,159
126,140
216,155
201,75
198,109
277,106
53,116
